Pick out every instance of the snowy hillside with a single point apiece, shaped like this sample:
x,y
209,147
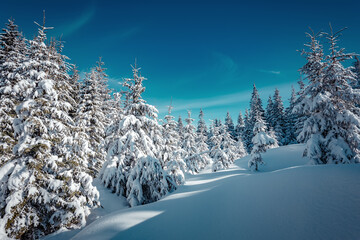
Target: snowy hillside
x,y
287,199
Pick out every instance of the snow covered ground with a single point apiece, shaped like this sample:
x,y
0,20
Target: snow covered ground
x,y
287,199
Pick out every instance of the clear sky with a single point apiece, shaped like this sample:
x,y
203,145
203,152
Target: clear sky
x,y
199,53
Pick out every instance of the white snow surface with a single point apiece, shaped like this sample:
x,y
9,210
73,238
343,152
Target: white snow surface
x,y
287,199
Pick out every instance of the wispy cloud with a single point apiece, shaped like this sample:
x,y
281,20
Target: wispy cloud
x,y
73,26
270,71
223,100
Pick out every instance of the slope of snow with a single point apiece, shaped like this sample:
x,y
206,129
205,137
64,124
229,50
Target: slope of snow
x,y
287,199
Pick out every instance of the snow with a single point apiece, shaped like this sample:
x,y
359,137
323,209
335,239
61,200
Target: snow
x,y
287,199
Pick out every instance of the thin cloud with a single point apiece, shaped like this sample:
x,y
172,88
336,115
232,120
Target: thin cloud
x,y
70,28
223,100
270,71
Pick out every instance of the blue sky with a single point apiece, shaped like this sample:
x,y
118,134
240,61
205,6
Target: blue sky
x,y
199,53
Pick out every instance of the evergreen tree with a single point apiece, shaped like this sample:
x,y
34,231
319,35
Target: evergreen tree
x,y
269,113
247,132
356,70
261,141
331,131
220,159
290,130
180,129
12,85
47,184
228,145
229,125
256,111
131,169
202,138
172,153
278,118
194,161
240,127
91,118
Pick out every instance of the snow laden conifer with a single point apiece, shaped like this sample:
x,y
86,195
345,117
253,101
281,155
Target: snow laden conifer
x,y
261,142
229,125
240,126
356,70
180,129
331,131
47,187
12,85
256,111
91,117
269,112
131,168
247,132
194,161
278,118
202,138
228,144
220,159
172,152
290,120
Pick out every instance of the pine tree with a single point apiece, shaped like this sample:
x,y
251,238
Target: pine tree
x,y
270,113
47,186
356,70
300,116
229,125
194,161
172,153
261,141
220,159
202,138
331,131
228,145
278,118
12,85
247,132
131,168
291,118
240,127
91,118
256,111
180,129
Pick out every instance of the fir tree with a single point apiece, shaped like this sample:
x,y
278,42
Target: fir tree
x,y
331,131
12,85
256,111
47,186
278,118
194,161
202,138
91,118
240,127
261,141
220,159
172,153
229,125
247,132
131,168
291,118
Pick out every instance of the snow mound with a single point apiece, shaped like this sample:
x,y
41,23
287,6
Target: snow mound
x,y
287,199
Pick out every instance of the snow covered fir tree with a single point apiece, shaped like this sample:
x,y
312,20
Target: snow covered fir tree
x,y
68,141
